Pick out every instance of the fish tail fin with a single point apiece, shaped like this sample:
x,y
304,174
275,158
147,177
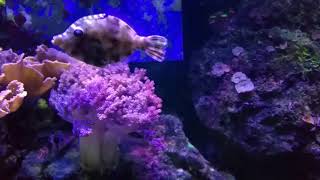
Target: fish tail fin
x,y
156,47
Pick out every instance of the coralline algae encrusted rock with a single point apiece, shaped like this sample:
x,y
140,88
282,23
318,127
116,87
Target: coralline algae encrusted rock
x,y
53,165
269,122
141,157
178,159
299,37
298,14
277,104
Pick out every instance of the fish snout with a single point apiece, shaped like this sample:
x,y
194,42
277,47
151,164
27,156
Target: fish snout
x,y
57,40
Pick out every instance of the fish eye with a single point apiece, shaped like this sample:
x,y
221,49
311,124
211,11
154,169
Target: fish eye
x,y
78,32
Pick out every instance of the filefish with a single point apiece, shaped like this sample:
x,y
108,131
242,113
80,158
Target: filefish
x,y
103,39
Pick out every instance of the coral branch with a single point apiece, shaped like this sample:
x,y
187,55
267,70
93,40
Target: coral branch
x,y
11,98
43,53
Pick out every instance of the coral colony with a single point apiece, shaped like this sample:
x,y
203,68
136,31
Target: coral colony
x,y
251,102
104,105
25,76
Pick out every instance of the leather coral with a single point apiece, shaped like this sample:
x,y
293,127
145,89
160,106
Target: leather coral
x,y
11,98
35,77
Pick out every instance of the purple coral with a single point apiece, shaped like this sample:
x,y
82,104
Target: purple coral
x,y
86,94
8,56
242,83
238,51
219,69
105,105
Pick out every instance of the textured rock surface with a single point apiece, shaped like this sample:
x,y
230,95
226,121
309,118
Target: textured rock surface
x,y
302,14
179,160
140,158
276,124
25,137
53,165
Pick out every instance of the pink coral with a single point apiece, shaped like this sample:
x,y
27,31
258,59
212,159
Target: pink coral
x,y
112,94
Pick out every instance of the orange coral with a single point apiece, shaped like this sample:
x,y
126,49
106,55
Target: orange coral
x,y
25,75
51,68
37,78
11,98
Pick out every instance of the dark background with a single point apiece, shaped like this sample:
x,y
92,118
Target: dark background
x,y
171,77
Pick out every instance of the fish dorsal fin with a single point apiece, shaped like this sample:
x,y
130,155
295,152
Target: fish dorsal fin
x,y
122,24
81,21
95,16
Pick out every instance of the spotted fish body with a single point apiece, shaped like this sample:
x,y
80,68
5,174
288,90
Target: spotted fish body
x,y
103,39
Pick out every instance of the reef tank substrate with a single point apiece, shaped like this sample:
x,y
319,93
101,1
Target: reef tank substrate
x,y
159,90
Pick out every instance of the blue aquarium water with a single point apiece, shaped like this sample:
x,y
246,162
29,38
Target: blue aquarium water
x,y
145,17
206,89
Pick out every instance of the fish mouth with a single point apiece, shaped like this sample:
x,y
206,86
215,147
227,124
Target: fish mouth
x,y
57,40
